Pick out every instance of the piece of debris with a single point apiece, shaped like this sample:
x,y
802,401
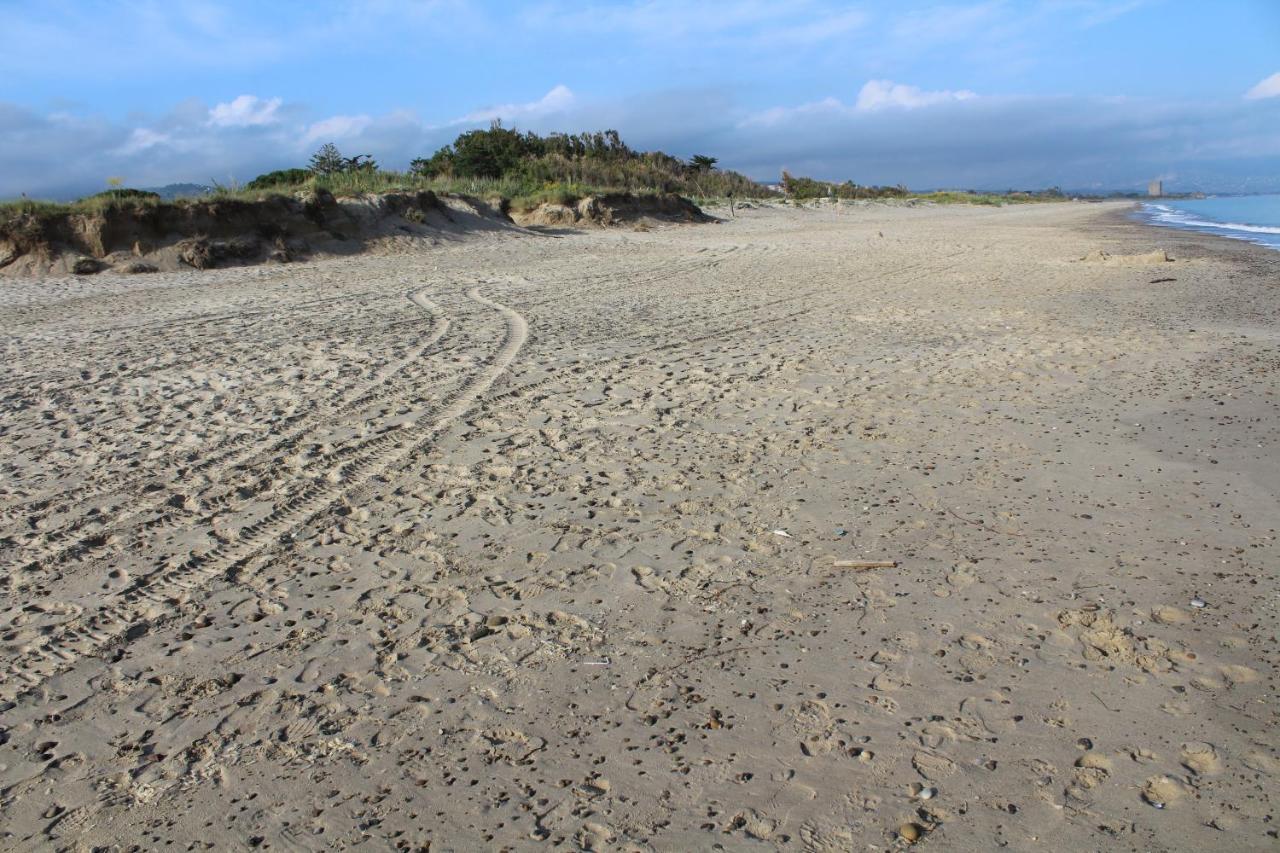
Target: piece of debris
x,y
865,564
1162,280
921,792
782,533
1156,256
1198,602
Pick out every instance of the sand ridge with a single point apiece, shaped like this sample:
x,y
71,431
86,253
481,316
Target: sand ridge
x,y
532,541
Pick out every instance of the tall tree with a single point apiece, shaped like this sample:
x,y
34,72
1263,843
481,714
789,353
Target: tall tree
x,y
328,160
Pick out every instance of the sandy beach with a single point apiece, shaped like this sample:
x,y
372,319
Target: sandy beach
x,y
551,541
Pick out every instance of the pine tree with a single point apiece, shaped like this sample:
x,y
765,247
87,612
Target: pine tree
x,y
328,160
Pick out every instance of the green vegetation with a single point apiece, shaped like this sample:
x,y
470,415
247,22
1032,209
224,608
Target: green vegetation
x,y
329,161
992,199
124,194
807,188
97,203
523,170
117,197
800,189
280,178
528,165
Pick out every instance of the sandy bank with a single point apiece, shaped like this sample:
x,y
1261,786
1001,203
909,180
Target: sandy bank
x,y
278,228
526,540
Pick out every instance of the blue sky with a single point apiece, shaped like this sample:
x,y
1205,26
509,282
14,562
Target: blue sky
x,y
993,94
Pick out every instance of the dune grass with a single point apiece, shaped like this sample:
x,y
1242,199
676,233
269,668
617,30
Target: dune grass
x,y
992,199
93,204
517,193
520,171
953,197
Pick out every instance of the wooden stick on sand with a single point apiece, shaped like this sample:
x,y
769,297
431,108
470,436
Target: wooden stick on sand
x,y
866,564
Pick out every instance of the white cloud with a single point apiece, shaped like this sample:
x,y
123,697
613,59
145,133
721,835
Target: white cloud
x,y
141,139
875,96
557,100
1268,88
778,115
245,111
336,127
883,94
992,141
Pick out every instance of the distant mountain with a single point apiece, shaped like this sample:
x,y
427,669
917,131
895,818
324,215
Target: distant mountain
x,y
171,191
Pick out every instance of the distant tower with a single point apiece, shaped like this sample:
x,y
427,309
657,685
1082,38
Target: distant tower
x,y
1155,189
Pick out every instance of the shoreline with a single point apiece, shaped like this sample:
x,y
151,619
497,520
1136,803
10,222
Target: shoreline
x,y
1189,242
1207,230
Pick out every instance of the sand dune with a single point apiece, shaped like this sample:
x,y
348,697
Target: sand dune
x,y
530,541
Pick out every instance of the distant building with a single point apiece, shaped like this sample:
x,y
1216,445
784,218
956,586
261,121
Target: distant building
x,y
1155,189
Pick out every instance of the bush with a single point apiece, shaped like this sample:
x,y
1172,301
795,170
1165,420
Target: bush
x,y
488,153
803,188
527,163
123,194
279,178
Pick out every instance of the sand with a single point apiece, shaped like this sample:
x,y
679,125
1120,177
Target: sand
x,y
528,542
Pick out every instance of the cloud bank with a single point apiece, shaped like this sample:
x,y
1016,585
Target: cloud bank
x,y
886,132
885,94
969,93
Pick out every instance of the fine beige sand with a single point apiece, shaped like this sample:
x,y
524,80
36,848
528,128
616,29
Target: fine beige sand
x,y
540,541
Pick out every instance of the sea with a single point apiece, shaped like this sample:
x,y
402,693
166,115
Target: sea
x,y
1255,218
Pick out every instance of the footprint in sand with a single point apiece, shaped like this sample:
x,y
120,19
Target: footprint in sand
x,y
1092,769
1166,615
1163,791
1201,758
1235,674
933,766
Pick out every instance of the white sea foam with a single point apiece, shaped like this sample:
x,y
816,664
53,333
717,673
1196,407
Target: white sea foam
x,y
1164,214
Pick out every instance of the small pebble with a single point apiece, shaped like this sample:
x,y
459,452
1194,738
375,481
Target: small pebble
x,y
1197,602
910,832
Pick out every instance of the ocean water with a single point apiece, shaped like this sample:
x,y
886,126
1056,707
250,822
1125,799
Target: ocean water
x,y
1255,218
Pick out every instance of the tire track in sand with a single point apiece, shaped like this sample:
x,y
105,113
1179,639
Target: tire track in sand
x,y
150,596
353,395
71,541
